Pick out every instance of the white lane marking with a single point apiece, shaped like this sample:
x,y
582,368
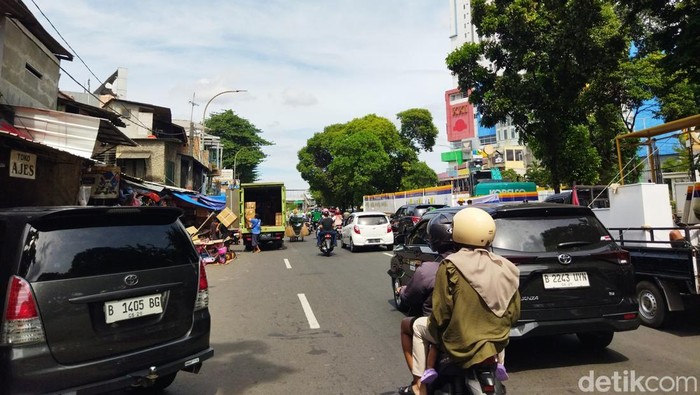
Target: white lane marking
x,y
387,254
313,324
286,263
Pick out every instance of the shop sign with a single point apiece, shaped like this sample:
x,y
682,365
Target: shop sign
x,y
22,165
104,182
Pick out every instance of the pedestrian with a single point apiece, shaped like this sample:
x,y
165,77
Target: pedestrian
x,y
255,224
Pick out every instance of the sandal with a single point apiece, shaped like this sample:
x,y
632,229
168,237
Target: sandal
x,y
407,390
429,376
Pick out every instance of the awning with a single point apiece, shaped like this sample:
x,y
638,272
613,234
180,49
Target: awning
x,y
133,155
72,133
6,128
150,185
201,201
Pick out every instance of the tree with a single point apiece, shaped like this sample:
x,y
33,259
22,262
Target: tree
x,y
672,27
539,175
417,129
537,70
366,156
510,175
238,134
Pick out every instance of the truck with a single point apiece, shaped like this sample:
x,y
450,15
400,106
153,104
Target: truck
x,y
268,200
640,219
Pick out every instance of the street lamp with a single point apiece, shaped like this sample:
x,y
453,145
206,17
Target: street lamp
x,y
204,114
235,158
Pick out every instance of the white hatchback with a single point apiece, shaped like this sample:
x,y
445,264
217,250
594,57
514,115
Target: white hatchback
x,y
364,229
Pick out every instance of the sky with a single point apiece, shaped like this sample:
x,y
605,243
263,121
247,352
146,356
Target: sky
x,y
305,64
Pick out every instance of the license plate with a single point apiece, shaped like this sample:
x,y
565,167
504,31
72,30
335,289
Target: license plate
x,y
373,240
565,280
127,309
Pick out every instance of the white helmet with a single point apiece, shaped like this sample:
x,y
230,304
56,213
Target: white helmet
x,y
474,227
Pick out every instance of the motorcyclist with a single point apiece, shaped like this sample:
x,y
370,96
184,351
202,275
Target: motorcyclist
x,y
475,298
417,293
325,226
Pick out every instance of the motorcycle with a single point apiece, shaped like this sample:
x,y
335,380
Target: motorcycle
x,y
327,244
477,380
297,224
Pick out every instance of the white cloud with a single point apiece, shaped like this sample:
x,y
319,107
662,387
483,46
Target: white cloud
x,y
305,64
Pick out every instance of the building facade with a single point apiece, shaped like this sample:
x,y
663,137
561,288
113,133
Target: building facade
x,y
474,147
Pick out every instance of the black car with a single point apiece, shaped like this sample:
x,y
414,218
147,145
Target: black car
x,y
407,216
98,299
573,277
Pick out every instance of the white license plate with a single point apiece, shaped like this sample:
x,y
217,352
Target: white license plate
x,y
126,309
373,240
565,280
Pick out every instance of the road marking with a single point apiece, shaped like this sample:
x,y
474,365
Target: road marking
x,y
286,263
313,324
387,254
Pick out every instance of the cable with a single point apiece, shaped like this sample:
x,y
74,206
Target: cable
x,y
65,41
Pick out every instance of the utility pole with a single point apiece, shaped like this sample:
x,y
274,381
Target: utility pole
x,y
192,124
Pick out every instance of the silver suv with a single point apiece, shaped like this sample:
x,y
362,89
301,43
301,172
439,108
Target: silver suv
x,y
99,298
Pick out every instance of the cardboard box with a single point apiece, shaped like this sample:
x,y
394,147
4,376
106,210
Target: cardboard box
x,y
278,219
250,205
227,217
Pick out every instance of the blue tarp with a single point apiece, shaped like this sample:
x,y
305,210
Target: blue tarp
x,y
210,202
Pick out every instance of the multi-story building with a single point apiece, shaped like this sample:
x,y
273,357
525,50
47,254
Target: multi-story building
x,y
474,147
47,141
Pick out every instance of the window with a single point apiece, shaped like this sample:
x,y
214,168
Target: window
x,y
32,70
548,234
419,235
509,155
371,220
519,154
512,133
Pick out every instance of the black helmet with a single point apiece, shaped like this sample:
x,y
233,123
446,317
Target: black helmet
x,y
439,232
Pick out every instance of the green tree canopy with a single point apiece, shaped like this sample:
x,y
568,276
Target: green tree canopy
x,y
238,134
537,72
367,156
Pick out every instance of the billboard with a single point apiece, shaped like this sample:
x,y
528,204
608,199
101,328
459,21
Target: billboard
x,y
460,116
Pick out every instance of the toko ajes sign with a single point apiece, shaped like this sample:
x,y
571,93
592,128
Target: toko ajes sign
x,y
22,165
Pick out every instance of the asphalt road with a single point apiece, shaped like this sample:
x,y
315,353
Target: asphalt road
x,y
347,342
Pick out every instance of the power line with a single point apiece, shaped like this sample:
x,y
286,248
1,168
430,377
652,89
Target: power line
x,y
66,41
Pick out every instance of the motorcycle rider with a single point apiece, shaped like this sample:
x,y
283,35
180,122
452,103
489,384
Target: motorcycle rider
x,y
475,299
417,293
325,226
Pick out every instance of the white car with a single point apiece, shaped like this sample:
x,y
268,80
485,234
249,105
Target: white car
x,y
363,229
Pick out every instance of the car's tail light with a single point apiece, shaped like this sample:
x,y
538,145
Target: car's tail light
x,y
202,301
21,323
415,220
356,229
388,229
621,257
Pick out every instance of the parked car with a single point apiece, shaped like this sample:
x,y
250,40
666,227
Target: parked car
x,y
573,277
407,216
364,229
98,299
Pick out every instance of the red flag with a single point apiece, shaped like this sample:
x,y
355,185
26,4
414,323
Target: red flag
x,y
574,197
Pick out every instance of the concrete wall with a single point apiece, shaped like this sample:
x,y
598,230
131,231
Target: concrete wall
x,y
20,52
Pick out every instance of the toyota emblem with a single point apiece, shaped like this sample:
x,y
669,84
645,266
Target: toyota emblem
x,y
564,259
133,279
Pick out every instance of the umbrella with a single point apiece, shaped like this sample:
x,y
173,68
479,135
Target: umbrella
x,y
153,196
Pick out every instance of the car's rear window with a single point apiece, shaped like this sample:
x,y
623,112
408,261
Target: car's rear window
x,y
371,220
419,211
89,251
549,234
